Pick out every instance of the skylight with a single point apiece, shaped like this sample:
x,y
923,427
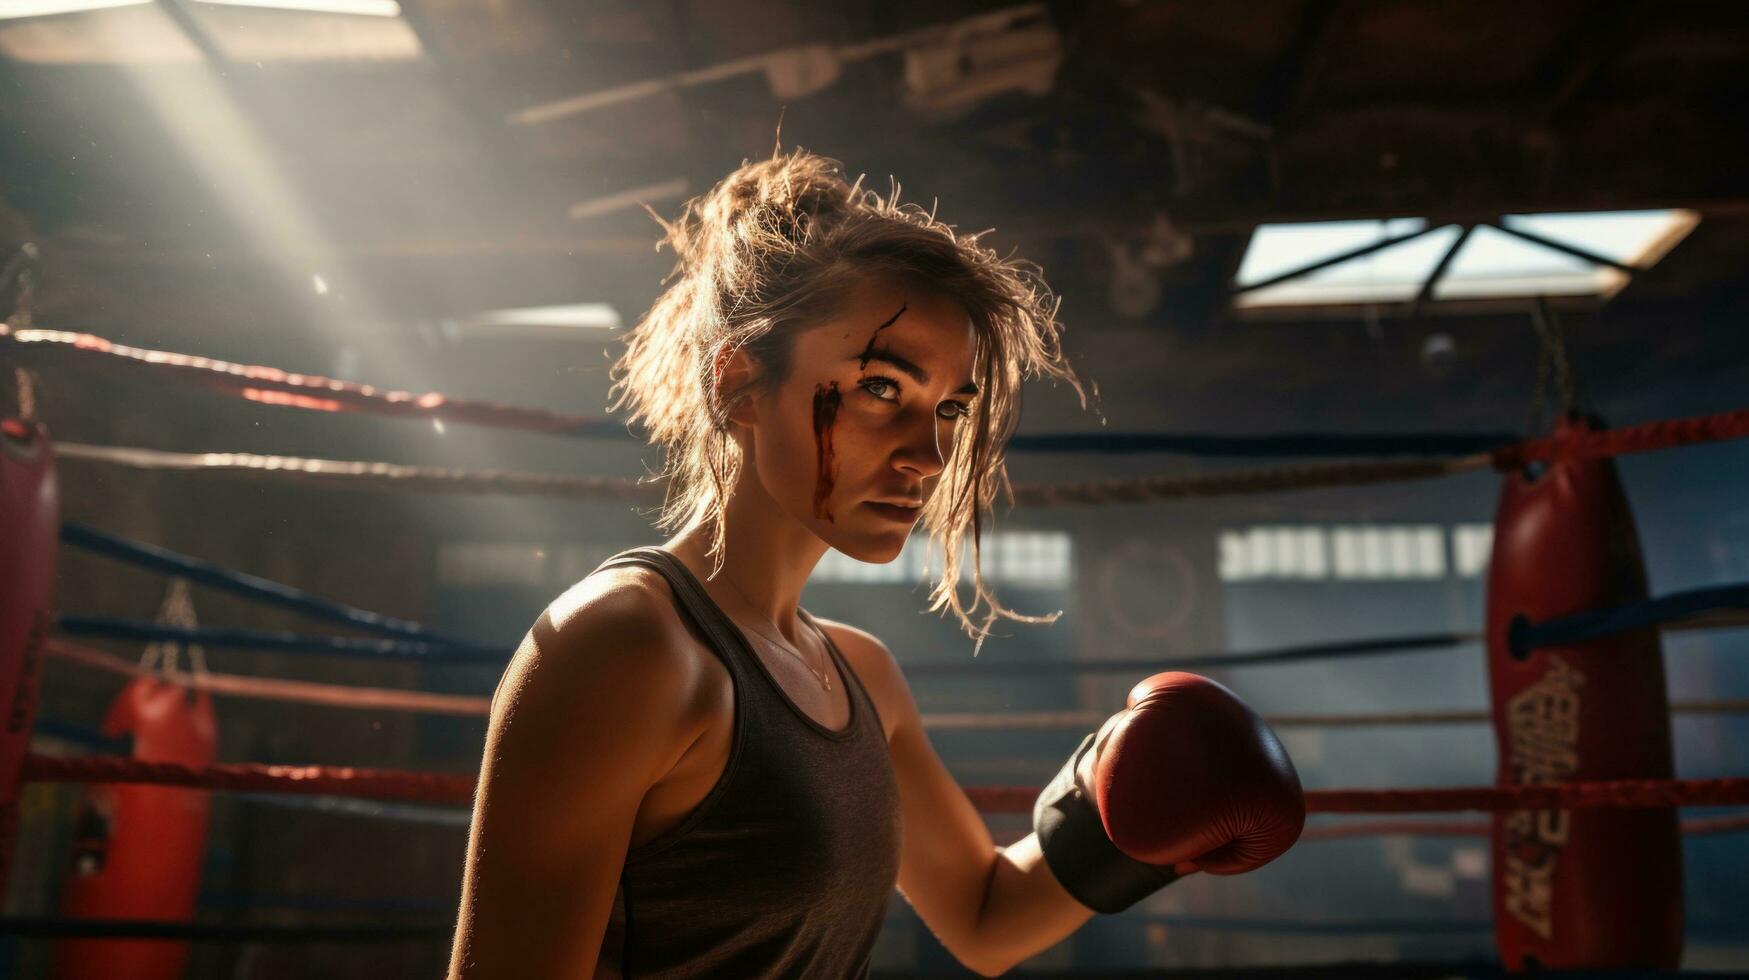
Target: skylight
x,y
15,9
362,8
550,322
141,32
1391,261
44,8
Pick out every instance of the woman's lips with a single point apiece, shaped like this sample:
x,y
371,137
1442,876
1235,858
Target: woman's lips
x,y
892,512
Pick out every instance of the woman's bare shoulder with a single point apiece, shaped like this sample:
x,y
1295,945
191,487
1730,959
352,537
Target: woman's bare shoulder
x,y
599,703
614,635
631,595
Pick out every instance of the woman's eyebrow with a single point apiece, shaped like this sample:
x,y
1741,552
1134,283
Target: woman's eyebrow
x,y
905,364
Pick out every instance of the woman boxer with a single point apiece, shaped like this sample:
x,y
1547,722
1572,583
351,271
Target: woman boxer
x,y
686,774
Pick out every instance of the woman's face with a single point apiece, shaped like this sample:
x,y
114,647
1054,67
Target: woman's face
x,y
852,441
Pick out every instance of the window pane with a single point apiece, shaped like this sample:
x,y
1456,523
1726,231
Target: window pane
x,y
1490,264
1633,237
1393,274
1493,263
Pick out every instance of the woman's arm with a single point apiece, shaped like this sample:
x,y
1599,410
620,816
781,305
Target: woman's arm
x,y
991,907
1235,799
595,707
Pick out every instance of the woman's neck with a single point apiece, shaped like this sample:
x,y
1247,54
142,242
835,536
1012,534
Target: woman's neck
x,y
767,558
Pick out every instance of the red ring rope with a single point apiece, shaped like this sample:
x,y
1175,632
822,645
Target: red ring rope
x,y
381,784
459,788
272,385
1624,793
1694,827
1646,437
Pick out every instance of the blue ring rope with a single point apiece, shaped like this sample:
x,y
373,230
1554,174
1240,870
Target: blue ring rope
x,y
1283,444
1137,665
1524,636
280,641
253,587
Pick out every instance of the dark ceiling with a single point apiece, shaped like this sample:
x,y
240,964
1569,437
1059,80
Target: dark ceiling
x,y
413,153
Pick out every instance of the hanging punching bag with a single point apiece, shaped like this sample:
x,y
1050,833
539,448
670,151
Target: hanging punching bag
x,y
138,849
30,535
1590,888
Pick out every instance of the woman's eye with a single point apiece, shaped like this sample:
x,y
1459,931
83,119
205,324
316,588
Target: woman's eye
x,y
878,388
887,390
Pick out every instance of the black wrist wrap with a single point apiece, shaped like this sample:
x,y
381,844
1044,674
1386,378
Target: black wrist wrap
x,y
1085,861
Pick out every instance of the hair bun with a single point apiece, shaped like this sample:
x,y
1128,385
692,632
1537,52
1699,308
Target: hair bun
x,y
789,196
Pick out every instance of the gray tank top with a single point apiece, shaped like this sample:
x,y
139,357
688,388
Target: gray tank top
x,y
786,867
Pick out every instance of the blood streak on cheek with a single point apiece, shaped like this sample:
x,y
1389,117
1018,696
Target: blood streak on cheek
x,y
826,402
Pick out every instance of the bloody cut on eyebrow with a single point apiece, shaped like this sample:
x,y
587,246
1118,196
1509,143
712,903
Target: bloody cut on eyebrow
x,y
867,350
905,364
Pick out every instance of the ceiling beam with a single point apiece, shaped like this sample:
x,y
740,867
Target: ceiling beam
x,y
197,36
1608,29
1302,65
1200,220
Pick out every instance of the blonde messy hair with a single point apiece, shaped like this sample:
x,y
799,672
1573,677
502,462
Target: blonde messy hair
x,y
778,246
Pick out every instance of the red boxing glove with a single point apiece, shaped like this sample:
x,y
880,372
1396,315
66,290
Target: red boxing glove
x,y
1189,773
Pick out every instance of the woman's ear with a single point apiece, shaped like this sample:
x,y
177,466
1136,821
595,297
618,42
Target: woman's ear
x,y
737,372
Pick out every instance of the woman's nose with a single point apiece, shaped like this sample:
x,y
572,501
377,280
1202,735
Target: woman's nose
x,y
922,452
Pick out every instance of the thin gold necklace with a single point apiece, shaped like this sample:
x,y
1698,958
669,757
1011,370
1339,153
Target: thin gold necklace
x,y
819,675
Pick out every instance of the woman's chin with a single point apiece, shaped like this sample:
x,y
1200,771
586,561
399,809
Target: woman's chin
x,y
878,548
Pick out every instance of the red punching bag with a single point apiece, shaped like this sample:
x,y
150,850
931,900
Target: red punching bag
x,y
138,849
1578,888
30,535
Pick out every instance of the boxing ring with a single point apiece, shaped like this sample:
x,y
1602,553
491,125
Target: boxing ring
x,y
1582,818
